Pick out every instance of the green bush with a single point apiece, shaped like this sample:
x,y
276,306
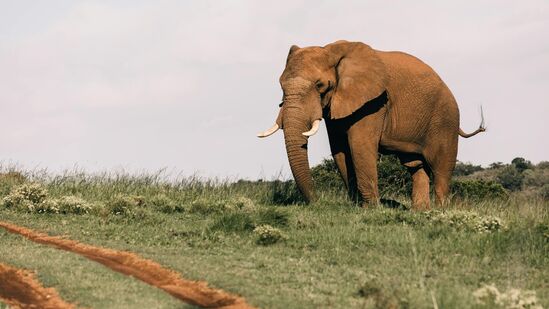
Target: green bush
x,y
326,176
165,204
393,177
206,206
125,204
477,189
268,235
510,178
30,197
455,219
9,180
233,222
242,203
73,205
273,216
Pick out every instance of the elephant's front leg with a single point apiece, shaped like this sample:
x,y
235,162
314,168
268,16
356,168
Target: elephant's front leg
x,y
339,145
363,143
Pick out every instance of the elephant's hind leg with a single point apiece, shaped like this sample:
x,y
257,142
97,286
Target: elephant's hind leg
x,y
420,189
420,182
442,186
442,166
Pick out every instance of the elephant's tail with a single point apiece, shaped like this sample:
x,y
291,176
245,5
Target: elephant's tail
x,y
481,127
467,135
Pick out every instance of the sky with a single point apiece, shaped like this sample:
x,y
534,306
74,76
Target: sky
x,y
186,85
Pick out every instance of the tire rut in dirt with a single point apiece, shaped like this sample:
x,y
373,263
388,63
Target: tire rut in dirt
x,y
193,292
20,289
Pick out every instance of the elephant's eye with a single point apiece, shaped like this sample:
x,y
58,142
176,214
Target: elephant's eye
x,y
319,85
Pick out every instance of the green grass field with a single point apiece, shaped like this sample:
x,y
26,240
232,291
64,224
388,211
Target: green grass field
x,y
329,254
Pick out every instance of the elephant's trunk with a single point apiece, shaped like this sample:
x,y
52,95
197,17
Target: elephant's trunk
x,y
295,123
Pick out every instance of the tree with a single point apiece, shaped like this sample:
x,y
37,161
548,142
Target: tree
x,y
521,164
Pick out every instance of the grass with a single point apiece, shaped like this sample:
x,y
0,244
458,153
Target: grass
x,y
331,254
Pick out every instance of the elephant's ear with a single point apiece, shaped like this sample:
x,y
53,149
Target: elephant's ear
x,y
293,49
361,77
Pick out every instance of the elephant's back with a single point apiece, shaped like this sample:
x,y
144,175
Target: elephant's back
x,y
420,103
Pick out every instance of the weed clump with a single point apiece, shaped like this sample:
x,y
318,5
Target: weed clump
x,y
9,180
488,296
73,205
204,206
268,235
273,217
379,297
456,219
233,222
242,203
478,189
284,193
31,197
165,204
466,220
125,204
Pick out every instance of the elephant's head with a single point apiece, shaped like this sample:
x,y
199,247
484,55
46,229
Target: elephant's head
x,y
333,81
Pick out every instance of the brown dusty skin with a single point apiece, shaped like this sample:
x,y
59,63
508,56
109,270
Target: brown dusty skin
x,y
193,292
19,289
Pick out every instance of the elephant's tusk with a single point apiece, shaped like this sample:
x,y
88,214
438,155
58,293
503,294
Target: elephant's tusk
x,y
314,128
272,130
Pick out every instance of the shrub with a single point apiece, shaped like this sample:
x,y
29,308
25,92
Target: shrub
x,y
459,220
268,235
242,203
273,216
478,189
326,176
510,178
491,297
466,220
28,196
165,204
125,204
393,177
536,177
9,180
73,205
233,222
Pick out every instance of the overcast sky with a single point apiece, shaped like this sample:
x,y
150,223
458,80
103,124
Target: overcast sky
x,y
186,85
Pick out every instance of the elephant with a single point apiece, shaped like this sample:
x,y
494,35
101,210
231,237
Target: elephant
x,y
373,102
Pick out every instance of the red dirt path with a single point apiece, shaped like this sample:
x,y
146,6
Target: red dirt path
x,y
19,289
193,292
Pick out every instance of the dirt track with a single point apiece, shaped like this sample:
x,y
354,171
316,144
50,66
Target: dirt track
x,y
193,292
19,289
